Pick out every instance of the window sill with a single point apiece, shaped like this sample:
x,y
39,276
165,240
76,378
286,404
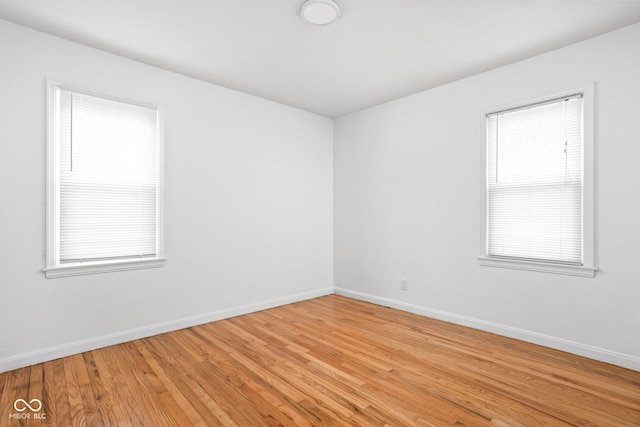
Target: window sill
x,y
101,267
571,270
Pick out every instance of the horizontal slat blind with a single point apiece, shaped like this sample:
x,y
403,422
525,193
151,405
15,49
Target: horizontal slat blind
x,y
534,182
108,179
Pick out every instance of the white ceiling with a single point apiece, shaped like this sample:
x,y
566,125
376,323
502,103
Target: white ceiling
x,y
377,51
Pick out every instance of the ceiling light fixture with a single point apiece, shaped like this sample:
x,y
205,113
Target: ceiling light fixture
x,y
320,12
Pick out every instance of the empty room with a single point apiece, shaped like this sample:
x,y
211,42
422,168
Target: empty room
x,y
319,212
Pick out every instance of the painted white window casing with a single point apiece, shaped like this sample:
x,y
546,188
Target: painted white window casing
x,y
538,198
104,183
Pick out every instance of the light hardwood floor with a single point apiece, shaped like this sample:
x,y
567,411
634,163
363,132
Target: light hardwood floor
x,y
326,361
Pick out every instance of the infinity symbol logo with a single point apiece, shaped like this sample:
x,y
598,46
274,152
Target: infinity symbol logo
x,y
27,405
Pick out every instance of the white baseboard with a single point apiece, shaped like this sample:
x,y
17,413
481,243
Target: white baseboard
x,y
596,353
51,353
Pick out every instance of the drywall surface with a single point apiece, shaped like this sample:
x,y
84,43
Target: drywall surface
x,y
248,205
408,190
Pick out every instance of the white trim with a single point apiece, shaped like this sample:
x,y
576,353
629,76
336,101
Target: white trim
x,y
160,183
588,267
96,94
52,171
589,178
76,347
596,353
78,269
566,269
53,268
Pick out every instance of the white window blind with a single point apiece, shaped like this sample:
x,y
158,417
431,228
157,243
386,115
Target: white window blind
x,y
535,182
108,179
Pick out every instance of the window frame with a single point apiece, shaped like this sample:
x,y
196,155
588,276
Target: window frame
x,y
53,267
588,267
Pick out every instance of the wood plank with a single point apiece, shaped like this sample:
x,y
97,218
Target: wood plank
x,y
141,396
100,398
117,395
36,381
326,361
171,396
49,395
74,395
9,383
208,405
62,406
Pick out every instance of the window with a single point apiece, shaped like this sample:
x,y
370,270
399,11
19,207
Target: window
x,y
538,199
104,176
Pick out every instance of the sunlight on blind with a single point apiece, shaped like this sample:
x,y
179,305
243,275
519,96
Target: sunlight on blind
x,y
535,182
108,178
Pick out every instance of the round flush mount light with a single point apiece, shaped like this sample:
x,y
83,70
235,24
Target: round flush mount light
x,y
320,12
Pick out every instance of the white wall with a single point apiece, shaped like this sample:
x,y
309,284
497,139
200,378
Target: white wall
x,y
407,193
248,205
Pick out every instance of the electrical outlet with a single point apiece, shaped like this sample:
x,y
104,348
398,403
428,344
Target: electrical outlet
x,y
404,284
